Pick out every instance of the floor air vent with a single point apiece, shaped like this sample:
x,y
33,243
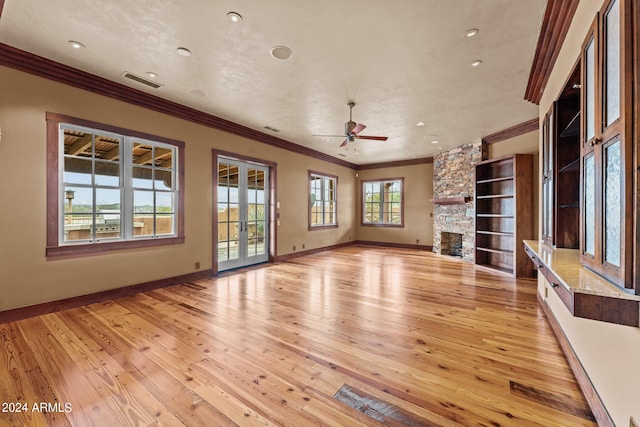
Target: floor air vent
x,y
379,410
142,80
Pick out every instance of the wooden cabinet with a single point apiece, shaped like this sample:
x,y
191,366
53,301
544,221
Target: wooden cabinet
x,y
606,151
561,168
504,213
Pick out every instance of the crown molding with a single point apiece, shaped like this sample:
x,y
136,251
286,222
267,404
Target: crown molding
x,y
424,160
512,132
557,19
33,64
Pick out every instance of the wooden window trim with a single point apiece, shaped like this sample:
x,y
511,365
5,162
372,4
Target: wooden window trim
x,y
388,225
56,251
311,227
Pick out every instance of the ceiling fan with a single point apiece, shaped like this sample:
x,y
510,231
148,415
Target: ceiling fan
x,y
352,130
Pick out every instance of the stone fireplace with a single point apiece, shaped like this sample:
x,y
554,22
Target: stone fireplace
x,y
453,190
451,244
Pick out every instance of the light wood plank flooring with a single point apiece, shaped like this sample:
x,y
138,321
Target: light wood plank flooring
x,y
418,338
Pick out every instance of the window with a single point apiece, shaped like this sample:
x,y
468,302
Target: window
x,y
323,196
382,202
111,188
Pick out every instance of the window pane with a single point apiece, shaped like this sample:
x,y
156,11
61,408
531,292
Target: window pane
x,y
143,224
612,58
612,204
589,205
107,213
164,202
107,200
163,179
163,157
141,154
78,227
590,91
78,199
77,171
107,173
142,177
143,201
164,224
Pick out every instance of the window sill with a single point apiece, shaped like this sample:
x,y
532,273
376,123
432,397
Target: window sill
x,y
80,250
322,227
584,293
364,224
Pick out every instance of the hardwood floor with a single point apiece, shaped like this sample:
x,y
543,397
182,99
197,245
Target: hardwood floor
x,y
408,337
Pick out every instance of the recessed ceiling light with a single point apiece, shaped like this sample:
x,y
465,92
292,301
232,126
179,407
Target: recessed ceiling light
x,y
152,74
234,17
199,93
476,63
76,45
420,124
281,52
472,32
183,51
435,142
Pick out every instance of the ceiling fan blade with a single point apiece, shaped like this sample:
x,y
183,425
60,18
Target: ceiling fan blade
x,y
375,138
330,136
344,142
359,128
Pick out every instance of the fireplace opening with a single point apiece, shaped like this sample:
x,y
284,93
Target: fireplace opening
x,y
451,244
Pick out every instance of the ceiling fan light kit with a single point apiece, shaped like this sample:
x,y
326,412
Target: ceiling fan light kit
x,y
352,130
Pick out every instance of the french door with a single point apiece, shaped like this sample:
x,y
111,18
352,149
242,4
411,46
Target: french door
x,y
243,214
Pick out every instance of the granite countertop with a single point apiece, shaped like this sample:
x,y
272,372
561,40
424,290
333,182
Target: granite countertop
x,y
566,265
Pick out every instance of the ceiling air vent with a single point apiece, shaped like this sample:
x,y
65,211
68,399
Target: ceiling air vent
x,y
142,80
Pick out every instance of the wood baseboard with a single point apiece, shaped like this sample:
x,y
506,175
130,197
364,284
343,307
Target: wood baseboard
x,y
64,304
590,393
395,245
292,255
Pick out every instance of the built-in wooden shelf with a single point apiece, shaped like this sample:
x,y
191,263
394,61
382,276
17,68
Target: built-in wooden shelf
x,y
495,196
503,208
495,251
502,178
573,166
495,233
497,267
451,201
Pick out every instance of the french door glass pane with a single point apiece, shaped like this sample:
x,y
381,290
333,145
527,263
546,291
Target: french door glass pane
x,y
589,205
612,58
590,90
613,175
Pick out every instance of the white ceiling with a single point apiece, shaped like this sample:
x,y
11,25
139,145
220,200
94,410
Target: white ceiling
x,y
402,62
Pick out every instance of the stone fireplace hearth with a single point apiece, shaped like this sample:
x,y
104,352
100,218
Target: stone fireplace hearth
x,y
453,177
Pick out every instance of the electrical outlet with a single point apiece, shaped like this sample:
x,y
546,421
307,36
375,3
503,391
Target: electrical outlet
x,y
294,247
197,265
632,422
303,246
546,292
431,214
417,241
